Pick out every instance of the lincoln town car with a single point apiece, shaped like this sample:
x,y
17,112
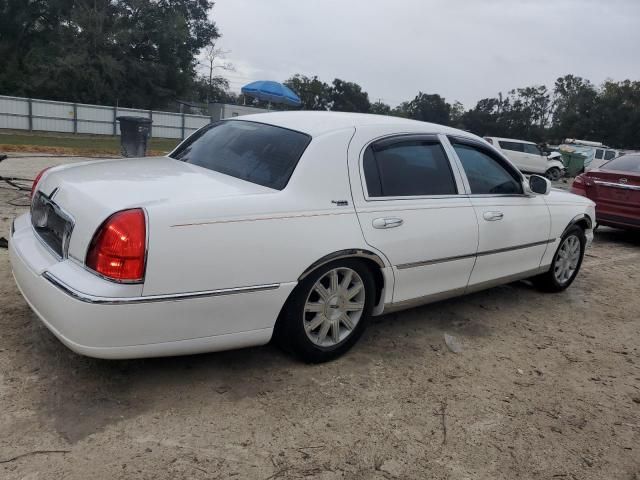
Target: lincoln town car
x,y
292,226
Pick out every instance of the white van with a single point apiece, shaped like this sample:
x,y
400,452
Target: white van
x,y
528,157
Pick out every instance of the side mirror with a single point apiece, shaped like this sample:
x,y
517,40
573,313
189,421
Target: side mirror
x,y
539,185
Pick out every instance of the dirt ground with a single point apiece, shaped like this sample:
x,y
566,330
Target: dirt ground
x,y
545,386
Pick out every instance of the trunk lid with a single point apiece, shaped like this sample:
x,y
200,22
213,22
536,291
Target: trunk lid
x,y
90,192
616,193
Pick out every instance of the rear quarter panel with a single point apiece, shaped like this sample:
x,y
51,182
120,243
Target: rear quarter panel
x,y
259,239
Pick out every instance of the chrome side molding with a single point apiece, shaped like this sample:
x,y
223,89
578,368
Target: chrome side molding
x,y
471,255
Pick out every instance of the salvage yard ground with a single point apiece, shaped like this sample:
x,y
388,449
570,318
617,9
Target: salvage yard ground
x,y
545,386
20,141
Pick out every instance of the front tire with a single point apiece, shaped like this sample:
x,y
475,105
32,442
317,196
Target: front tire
x,y
566,262
328,311
554,174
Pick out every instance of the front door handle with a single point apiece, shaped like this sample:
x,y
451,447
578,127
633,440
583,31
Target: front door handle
x,y
388,222
492,216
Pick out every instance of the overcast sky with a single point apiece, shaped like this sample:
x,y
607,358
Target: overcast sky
x,y
462,49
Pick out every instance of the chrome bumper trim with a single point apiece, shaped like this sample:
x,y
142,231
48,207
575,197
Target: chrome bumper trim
x,y
83,297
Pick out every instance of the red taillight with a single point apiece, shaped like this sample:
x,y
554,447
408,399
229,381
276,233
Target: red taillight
x,y
578,186
36,180
118,248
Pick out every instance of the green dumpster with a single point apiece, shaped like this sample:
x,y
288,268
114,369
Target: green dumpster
x,y
573,162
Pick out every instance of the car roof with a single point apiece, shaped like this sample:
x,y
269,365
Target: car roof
x,y
316,123
513,140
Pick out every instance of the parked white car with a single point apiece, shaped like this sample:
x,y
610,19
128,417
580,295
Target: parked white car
x,y
528,157
298,225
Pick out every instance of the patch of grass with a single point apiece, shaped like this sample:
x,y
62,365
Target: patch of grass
x,y
45,142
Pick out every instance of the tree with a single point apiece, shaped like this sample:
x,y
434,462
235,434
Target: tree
x,y
575,100
401,110
429,108
314,94
216,85
616,114
348,97
380,108
456,114
137,52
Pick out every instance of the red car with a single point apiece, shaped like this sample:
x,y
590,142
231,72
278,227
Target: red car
x,y
615,187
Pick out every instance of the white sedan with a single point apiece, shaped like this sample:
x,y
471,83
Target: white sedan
x,y
294,225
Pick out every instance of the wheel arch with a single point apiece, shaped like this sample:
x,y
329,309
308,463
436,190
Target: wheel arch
x,y
371,259
583,220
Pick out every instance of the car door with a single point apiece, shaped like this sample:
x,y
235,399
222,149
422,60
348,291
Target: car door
x,y
411,206
513,227
535,161
514,151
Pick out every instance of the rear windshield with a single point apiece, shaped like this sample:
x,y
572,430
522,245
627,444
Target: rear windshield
x,y
626,163
254,152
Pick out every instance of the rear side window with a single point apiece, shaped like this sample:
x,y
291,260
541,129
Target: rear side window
x,y
255,152
513,146
599,153
626,163
486,173
609,154
408,168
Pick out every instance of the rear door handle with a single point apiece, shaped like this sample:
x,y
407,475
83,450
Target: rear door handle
x,y
492,216
388,222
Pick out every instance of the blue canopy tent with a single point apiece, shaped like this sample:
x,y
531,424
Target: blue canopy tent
x,y
272,92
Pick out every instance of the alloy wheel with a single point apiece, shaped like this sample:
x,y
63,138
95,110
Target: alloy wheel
x,y
334,307
567,259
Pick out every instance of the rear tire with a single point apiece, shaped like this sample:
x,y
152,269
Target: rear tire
x,y
327,312
566,262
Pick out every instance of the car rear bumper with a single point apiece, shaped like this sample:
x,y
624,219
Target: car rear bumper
x,y
118,324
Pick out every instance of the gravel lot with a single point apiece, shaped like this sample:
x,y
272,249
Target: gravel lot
x,y
546,386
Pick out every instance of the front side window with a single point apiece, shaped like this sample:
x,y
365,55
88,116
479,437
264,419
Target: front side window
x,y
532,149
485,172
254,152
408,168
513,146
609,154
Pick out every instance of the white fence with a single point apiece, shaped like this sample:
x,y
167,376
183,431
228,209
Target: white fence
x,y
46,115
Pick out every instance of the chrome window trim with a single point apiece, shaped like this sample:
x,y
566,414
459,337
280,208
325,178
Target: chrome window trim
x,y
484,145
622,186
423,263
93,299
458,179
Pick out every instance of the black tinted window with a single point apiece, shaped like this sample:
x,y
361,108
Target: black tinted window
x,y
599,154
485,173
407,169
626,163
254,152
532,149
513,146
609,154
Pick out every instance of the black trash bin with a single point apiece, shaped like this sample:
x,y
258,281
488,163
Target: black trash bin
x,y
134,134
